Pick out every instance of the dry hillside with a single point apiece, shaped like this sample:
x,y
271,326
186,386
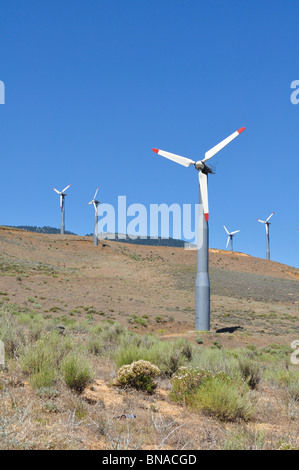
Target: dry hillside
x,y
96,297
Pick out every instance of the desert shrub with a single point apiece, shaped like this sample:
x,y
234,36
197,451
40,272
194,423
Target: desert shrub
x,y
41,359
251,371
227,398
139,375
287,378
185,382
277,351
293,388
224,398
12,335
168,356
112,333
76,372
242,439
215,360
33,323
45,377
199,340
95,345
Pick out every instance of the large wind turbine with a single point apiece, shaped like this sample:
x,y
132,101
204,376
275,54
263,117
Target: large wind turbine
x,y
267,224
62,196
202,285
230,237
95,204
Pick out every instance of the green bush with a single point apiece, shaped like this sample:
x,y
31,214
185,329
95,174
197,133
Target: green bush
x,y
41,359
216,360
185,382
168,356
76,372
45,377
95,345
12,335
224,398
251,371
287,378
139,375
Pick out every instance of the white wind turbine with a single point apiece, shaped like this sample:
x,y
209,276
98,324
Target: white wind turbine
x,y
62,196
230,237
95,204
267,224
202,286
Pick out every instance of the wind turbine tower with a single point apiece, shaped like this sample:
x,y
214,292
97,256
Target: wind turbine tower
x,y
95,204
230,237
267,225
62,196
202,285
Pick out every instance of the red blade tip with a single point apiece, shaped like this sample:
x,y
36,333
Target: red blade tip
x,y
241,130
156,150
207,216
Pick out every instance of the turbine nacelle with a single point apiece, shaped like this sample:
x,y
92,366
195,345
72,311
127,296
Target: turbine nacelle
x,y
267,223
201,166
62,194
94,200
230,235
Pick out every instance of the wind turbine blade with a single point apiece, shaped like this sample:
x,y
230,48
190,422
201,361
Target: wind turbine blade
x,y
175,158
56,190
226,229
269,216
203,185
96,193
95,207
210,153
65,188
60,201
91,202
233,233
261,221
227,242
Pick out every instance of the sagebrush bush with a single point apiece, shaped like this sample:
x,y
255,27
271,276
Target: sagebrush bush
x,y
251,371
185,382
139,375
168,356
76,372
287,378
224,398
227,398
41,360
216,360
12,334
95,345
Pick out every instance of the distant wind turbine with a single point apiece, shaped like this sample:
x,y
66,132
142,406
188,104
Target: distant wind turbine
x,y
95,204
202,284
267,224
62,196
230,237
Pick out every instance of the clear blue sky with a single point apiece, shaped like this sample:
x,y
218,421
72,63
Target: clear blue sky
x,y
92,86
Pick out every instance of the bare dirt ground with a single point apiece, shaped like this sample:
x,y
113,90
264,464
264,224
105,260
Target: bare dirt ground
x,y
252,300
